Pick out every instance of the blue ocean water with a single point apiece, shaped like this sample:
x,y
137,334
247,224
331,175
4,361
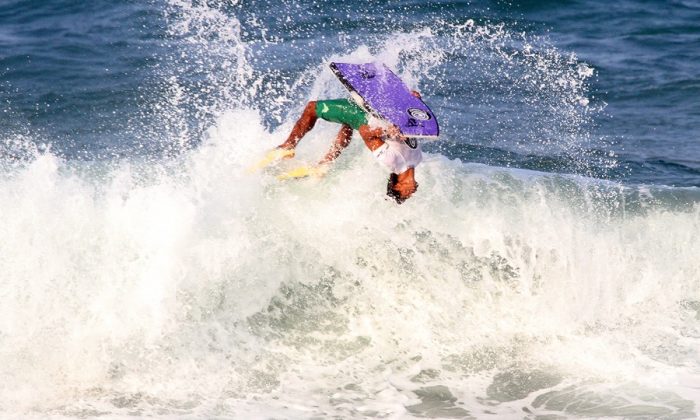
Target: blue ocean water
x,y
547,266
85,77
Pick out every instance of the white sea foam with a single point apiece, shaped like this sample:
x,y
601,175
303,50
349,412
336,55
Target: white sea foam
x,y
210,290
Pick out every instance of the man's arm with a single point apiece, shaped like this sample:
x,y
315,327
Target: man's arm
x,y
342,141
372,137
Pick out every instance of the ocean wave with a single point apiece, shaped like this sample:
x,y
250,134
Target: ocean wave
x,y
196,282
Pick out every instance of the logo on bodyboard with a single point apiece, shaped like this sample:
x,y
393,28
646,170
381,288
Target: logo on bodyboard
x,y
411,142
418,114
367,74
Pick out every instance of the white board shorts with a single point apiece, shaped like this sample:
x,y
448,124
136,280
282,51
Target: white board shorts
x,y
399,156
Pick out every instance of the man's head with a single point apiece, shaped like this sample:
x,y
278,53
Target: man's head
x,y
402,186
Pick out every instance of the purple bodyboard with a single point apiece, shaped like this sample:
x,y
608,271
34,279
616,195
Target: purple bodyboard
x,y
378,90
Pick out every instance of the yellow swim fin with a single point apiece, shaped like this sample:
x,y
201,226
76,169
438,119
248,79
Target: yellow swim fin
x,y
273,156
303,172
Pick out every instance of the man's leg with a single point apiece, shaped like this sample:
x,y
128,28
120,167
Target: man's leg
x,y
305,123
342,140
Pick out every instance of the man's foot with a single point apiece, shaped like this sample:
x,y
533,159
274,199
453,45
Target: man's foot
x,y
304,171
273,156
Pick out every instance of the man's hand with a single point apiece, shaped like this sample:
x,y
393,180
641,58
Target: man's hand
x,y
416,94
393,132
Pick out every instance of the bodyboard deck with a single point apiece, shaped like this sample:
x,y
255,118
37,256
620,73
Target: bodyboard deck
x,y
379,91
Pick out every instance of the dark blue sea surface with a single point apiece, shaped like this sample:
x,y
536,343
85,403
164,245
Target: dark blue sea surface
x,y
87,78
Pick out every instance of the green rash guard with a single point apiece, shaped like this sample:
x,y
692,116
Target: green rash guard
x,y
341,111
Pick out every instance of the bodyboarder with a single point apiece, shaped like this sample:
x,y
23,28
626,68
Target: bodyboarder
x,y
400,154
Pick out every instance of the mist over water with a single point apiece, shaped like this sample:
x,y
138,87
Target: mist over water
x,y
541,271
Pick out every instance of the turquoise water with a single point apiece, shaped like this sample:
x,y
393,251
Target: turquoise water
x,y
546,268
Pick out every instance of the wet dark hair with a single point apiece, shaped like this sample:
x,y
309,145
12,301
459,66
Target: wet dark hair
x,y
391,192
393,179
